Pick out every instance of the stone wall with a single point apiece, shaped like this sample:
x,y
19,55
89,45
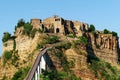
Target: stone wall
x,y
105,46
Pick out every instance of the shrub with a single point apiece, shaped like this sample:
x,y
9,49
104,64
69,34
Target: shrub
x,y
20,23
63,45
15,58
82,40
39,46
27,28
114,33
7,55
71,35
91,28
21,73
6,37
5,44
106,31
32,33
52,39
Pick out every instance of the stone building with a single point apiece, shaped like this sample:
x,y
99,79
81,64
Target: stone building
x,y
60,25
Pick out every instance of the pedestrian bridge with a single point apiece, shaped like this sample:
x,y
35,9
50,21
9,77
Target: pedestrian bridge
x,y
42,62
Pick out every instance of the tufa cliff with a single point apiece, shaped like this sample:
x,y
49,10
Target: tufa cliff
x,y
79,51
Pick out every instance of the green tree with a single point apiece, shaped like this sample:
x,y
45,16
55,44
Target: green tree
x,y
20,23
106,31
6,36
91,28
27,28
114,33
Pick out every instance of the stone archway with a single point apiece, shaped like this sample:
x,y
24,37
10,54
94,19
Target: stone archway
x,y
57,30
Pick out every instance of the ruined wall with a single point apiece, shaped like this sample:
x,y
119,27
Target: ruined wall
x,y
80,27
36,23
105,46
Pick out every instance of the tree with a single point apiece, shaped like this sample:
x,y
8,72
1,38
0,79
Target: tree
x,y
6,36
91,28
27,28
20,23
114,33
106,31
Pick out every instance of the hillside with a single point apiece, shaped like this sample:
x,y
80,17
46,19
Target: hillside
x,y
79,51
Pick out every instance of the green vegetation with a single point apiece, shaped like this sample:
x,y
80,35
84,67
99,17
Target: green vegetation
x,y
71,35
106,31
40,45
104,70
4,77
66,73
27,29
6,37
14,45
21,73
33,32
5,44
91,28
6,56
114,34
20,23
81,41
57,75
15,58
52,39
63,46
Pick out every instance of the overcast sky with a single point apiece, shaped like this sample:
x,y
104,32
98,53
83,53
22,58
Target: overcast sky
x,y
102,13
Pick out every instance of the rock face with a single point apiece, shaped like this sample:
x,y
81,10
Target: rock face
x,y
106,47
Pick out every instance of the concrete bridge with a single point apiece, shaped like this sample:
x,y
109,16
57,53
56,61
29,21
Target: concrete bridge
x,y
39,64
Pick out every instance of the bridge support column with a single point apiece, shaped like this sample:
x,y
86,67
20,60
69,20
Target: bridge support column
x,y
38,70
36,75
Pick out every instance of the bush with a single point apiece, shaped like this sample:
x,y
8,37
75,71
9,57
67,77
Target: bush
x,y
52,39
39,46
106,31
63,45
114,34
32,33
7,56
20,23
21,73
71,35
91,28
6,37
27,28
82,40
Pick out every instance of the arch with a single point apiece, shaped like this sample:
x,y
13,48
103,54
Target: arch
x,y
57,30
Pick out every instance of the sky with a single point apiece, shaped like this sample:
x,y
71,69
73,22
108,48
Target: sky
x,y
104,14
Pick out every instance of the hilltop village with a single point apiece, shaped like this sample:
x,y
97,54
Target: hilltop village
x,y
79,52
